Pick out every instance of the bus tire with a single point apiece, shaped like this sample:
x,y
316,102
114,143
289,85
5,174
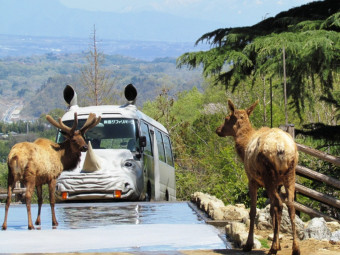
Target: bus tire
x,y
148,192
166,195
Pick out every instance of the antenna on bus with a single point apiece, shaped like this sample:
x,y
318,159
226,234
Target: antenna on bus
x,y
70,96
130,93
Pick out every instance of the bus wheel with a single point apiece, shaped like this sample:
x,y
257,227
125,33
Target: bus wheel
x,y
166,195
148,192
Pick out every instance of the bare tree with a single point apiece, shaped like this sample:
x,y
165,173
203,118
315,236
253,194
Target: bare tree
x,y
98,82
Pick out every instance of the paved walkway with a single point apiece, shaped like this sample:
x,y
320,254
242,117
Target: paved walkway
x,y
120,227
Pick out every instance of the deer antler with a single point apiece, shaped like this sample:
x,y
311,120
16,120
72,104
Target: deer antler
x,y
62,126
91,122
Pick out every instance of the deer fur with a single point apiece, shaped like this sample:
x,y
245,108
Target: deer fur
x,y
42,161
270,157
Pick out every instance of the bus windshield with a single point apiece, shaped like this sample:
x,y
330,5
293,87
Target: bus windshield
x,y
110,133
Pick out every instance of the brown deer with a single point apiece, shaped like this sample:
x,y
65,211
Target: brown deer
x,y
42,161
270,157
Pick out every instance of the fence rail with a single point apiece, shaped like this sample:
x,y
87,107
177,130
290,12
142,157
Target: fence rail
x,y
323,198
319,154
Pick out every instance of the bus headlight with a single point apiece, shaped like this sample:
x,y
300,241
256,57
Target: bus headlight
x,y
117,194
64,195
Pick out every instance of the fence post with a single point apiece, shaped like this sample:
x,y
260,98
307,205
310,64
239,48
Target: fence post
x,y
289,128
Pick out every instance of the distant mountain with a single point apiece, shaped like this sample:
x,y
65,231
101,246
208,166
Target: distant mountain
x,y
19,45
51,18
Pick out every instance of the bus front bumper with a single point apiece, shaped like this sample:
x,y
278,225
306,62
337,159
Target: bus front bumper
x,y
95,186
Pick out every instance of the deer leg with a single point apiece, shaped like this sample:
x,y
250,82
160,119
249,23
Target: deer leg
x,y
276,207
290,189
253,186
51,187
29,192
10,187
40,201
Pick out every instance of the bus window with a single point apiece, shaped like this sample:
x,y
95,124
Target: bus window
x,y
110,133
146,133
168,152
161,154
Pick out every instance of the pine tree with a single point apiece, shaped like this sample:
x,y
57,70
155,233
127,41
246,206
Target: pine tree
x,y
311,39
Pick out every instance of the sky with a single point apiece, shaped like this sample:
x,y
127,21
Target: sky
x,y
227,13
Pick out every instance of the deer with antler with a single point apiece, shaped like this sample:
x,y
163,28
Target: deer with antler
x,y
42,161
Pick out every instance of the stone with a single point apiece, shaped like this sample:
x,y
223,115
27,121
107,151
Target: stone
x,y
235,213
335,237
271,237
317,229
215,210
239,234
333,226
263,221
217,213
257,244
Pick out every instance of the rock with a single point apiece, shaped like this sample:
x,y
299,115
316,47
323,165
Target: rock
x,y
239,234
235,213
263,221
257,244
335,237
271,237
317,229
215,210
333,226
207,203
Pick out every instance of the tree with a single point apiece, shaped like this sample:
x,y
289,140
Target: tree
x,y
309,34
98,83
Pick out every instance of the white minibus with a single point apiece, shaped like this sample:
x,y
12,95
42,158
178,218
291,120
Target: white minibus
x,y
129,157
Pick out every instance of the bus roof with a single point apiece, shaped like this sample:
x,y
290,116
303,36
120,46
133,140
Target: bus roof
x,y
128,111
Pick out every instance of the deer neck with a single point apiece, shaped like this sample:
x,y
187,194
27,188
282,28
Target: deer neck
x,y
242,137
69,158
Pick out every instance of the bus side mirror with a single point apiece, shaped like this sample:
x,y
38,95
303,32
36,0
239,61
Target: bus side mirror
x,y
142,141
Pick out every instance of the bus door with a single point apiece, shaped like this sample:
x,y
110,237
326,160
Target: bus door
x,y
151,179
156,170
165,166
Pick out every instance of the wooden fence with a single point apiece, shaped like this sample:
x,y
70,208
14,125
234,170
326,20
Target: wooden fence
x,y
310,174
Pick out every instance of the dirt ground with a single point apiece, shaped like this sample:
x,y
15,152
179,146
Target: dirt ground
x,y
307,247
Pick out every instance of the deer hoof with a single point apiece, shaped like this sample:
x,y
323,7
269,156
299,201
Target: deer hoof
x,y
272,251
247,248
296,252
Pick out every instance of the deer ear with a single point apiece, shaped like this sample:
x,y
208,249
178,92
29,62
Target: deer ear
x,y
252,107
231,106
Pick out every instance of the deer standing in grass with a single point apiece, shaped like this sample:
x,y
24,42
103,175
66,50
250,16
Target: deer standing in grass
x,y
270,157
42,161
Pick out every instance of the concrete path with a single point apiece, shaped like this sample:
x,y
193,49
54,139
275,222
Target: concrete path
x,y
142,227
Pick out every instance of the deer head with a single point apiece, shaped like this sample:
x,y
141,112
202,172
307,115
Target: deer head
x,y
76,137
235,120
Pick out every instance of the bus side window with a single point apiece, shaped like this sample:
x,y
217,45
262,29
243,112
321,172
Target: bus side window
x,y
168,151
160,146
146,133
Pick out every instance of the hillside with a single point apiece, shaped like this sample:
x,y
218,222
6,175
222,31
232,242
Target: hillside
x,y
35,83
20,45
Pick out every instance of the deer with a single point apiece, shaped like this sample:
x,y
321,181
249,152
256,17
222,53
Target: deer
x,y
270,157
42,161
